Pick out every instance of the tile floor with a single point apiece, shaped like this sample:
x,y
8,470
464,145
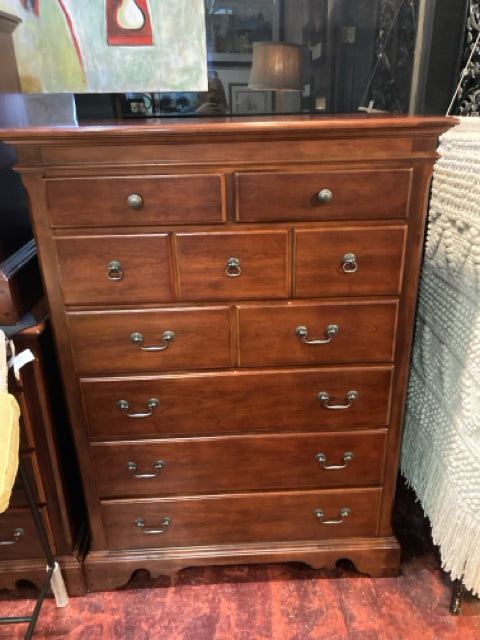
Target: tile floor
x,y
271,602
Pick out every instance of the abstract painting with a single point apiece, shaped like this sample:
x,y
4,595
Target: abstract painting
x,y
110,46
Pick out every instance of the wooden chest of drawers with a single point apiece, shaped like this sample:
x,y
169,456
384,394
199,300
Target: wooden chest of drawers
x,y
233,303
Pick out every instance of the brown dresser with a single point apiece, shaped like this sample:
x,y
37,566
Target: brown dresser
x,y
233,305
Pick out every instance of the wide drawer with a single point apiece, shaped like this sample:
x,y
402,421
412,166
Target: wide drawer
x,y
323,195
153,340
18,534
115,269
238,463
241,518
135,200
233,265
349,261
316,333
238,402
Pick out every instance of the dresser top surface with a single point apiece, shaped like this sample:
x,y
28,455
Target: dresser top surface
x,y
287,125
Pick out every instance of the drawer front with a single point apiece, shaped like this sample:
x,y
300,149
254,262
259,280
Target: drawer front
x,y
349,261
115,269
238,463
323,195
109,201
316,333
207,270
242,518
238,402
122,341
18,535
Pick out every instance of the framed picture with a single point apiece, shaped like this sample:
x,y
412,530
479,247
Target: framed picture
x,y
234,25
245,100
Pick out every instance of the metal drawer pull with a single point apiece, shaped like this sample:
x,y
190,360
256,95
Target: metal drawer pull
x,y
319,514
168,336
166,522
350,264
135,201
324,398
17,534
233,269
124,406
331,331
321,458
158,466
115,271
325,195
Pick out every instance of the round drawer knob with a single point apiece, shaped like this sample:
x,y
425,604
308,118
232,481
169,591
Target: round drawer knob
x,y
325,195
135,201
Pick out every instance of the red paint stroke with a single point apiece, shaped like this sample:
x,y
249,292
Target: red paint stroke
x,y
117,36
31,5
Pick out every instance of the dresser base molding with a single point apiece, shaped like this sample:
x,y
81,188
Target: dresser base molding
x,y
378,558
16,572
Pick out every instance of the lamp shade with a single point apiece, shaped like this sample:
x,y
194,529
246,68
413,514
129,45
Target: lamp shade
x,y
276,65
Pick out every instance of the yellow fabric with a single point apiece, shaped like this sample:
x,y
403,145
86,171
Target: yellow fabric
x,y
9,446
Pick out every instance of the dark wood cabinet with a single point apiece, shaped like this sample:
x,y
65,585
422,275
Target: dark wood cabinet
x,y
233,306
49,458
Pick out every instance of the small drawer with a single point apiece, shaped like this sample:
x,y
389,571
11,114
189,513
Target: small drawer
x,y
153,340
316,333
323,195
241,518
219,266
131,200
238,463
115,269
238,402
18,534
349,261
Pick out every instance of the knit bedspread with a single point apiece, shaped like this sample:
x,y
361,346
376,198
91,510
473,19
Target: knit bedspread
x,y
441,445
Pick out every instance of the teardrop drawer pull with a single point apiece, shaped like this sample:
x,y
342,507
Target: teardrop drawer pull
x,y
135,201
331,331
320,515
158,466
166,522
124,406
115,271
168,337
325,398
350,264
325,196
321,458
17,534
233,269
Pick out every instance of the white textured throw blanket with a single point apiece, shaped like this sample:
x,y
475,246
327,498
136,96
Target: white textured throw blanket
x,y
441,446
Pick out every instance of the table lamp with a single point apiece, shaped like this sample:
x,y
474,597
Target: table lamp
x,y
276,66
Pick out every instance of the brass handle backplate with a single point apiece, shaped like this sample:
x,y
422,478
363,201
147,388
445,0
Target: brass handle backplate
x,y
168,337
321,458
166,522
158,466
320,515
115,271
135,201
233,269
124,406
324,398
350,264
325,196
17,534
331,331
